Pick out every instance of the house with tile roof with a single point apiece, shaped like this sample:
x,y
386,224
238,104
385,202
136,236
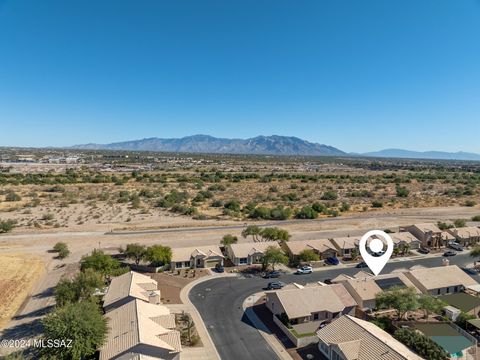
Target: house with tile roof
x,y
196,257
130,286
440,280
140,330
322,247
248,253
349,338
468,235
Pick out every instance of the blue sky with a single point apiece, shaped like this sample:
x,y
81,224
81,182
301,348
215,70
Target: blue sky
x,y
358,75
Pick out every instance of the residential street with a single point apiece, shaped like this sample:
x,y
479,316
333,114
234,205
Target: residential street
x,y
219,302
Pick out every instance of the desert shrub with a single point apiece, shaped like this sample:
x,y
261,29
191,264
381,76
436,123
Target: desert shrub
x,y
329,195
307,212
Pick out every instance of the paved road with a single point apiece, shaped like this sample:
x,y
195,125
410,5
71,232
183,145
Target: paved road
x,y
219,302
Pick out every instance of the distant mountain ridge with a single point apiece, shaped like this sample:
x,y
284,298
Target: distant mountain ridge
x,y
437,155
264,145
261,145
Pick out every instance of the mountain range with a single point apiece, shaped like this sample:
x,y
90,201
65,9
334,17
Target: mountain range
x,y
263,145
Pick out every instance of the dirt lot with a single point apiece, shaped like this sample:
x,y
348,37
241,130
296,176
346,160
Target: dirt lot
x,y
18,274
170,285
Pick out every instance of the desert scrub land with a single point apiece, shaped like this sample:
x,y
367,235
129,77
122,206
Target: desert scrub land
x,y
18,273
228,188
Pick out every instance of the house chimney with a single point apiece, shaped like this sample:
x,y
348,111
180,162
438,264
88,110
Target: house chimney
x,y
154,297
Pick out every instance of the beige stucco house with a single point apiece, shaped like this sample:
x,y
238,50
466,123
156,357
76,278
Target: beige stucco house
x,y
248,253
196,257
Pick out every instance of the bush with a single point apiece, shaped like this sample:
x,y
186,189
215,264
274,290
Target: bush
x,y
12,196
7,225
470,203
459,223
377,204
306,212
402,191
476,218
329,195
233,205
308,255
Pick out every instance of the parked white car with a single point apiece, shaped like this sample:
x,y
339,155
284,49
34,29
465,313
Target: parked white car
x,y
305,270
455,246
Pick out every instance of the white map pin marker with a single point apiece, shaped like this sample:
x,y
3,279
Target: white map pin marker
x,y
376,263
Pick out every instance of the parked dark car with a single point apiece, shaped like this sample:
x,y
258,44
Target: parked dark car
x,y
275,285
272,274
423,250
332,261
470,271
219,268
449,253
363,264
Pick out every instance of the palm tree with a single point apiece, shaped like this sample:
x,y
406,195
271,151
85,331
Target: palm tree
x,y
406,249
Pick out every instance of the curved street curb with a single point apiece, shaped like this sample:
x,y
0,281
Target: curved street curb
x,y
194,312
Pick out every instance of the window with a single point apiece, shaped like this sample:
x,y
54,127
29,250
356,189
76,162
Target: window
x,y
243,261
315,316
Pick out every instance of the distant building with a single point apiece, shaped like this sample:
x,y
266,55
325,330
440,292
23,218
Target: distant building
x,y
349,338
249,253
402,239
429,234
322,247
440,280
196,257
346,245
466,236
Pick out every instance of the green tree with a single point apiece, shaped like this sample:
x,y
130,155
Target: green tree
x,y
475,252
83,323
430,304
158,255
100,262
253,231
80,288
135,252
354,254
274,233
273,256
421,344
308,255
229,239
402,300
